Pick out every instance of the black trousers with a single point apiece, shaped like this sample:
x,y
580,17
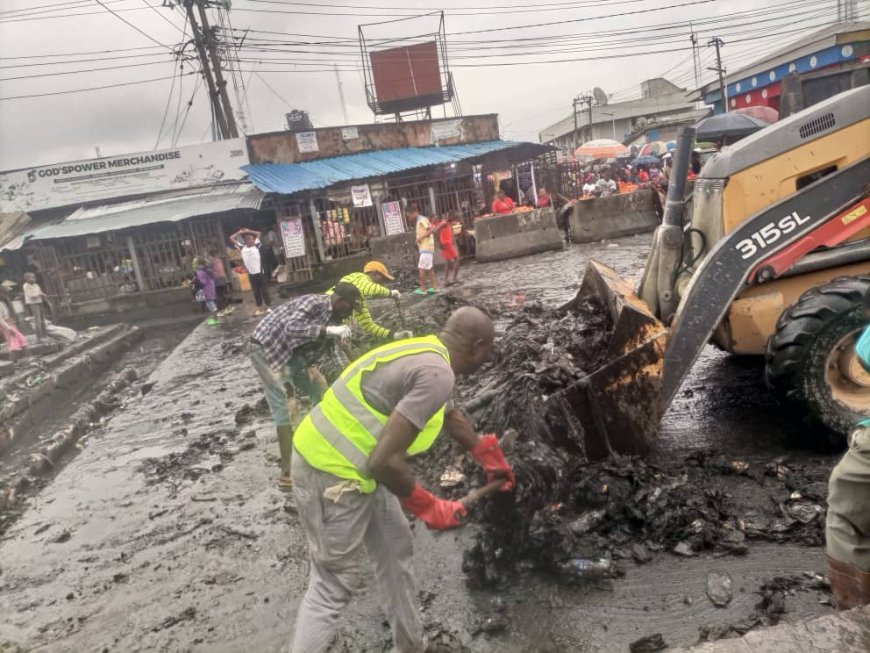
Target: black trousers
x,y
260,286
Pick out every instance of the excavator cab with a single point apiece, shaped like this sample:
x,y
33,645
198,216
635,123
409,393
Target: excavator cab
x,y
772,259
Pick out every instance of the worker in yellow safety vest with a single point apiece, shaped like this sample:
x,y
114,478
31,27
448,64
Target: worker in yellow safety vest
x,y
370,283
351,478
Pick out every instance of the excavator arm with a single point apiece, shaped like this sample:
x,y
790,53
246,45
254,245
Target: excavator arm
x,y
620,405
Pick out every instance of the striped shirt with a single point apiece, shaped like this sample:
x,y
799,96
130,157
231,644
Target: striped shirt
x,y
291,325
368,289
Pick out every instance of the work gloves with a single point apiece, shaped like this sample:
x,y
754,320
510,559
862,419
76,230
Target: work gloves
x,y
402,335
395,294
437,514
341,332
490,455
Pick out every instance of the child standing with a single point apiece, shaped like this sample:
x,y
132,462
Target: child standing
x,y
426,245
206,283
35,300
448,249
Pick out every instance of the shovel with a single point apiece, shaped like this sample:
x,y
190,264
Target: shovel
x,y
401,315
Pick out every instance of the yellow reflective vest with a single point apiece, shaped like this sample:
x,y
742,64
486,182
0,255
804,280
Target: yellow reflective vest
x,y
340,433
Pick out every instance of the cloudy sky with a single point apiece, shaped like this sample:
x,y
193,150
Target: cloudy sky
x,y
521,60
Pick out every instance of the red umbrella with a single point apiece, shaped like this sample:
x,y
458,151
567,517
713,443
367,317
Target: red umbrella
x,y
767,114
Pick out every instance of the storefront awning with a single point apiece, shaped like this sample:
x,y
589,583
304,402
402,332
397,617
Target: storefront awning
x,y
169,207
289,178
13,226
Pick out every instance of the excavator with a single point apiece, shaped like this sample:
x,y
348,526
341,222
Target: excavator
x,y
769,255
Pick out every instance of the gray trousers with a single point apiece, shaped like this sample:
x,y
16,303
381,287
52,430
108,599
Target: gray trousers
x,y
38,312
848,525
338,532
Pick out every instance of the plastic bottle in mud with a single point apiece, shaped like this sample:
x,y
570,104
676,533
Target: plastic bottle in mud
x,y
583,569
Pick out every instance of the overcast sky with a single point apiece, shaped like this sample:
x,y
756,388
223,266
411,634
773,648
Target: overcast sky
x,y
55,128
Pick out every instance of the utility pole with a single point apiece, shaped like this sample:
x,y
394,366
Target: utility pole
x,y
231,131
718,43
696,60
199,44
576,128
341,95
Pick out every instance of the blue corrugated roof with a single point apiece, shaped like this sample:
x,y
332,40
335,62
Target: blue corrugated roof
x,y
288,178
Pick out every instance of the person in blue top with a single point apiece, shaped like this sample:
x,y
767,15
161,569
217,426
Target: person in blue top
x,y
847,531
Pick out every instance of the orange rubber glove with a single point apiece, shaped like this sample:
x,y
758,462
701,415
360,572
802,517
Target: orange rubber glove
x,y
490,455
438,514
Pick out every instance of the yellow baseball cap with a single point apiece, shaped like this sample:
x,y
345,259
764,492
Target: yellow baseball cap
x,y
377,266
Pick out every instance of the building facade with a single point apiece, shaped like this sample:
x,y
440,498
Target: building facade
x,y
662,108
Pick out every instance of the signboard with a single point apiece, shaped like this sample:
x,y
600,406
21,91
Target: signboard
x,y
361,195
79,182
349,133
293,235
393,223
446,129
307,141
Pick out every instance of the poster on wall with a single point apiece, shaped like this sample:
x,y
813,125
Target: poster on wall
x,y
349,133
393,222
79,182
362,195
307,142
293,235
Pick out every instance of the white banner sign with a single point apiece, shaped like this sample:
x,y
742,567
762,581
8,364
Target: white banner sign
x,y
307,141
393,223
361,195
349,133
79,182
446,129
293,236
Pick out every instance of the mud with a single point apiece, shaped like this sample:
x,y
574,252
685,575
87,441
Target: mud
x,y
125,551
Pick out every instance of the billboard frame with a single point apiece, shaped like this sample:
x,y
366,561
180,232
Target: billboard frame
x,y
415,104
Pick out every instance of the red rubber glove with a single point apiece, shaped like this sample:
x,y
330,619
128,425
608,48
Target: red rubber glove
x,y
438,514
489,454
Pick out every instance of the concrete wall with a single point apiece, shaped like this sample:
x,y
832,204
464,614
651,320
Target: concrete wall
x,y
618,215
517,234
165,303
399,252
281,147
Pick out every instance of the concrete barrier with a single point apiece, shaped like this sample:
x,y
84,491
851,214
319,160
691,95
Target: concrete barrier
x,y
516,234
618,215
399,252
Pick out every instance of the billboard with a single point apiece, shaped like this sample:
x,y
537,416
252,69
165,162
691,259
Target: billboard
x,y
407,77
80,182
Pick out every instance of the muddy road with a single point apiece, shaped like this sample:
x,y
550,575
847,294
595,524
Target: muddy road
x,y
166,531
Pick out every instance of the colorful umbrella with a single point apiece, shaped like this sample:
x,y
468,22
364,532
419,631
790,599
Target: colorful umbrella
x,y
767,114
602,148
671,146
646,161
655,148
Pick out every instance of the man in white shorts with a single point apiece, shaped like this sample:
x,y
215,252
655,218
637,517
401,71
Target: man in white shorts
x,y
426,245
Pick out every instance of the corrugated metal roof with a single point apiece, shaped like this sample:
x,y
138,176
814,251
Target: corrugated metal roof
x,y
12,228
288,178
170,207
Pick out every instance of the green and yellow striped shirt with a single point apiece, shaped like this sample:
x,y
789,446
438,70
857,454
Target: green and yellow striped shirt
x,y
368,289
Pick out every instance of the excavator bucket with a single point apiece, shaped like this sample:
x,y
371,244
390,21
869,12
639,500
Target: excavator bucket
x,y
619,404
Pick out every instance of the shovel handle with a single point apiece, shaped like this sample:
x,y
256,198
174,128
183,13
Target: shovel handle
x,y
478,493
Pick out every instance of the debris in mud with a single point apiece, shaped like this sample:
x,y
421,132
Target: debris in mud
x,y
207,454
186,615
769,610
247,413
648,644
618,508
719,588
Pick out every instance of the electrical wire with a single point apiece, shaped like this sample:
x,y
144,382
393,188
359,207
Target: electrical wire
x,y
128,23
82,90
156,11
165,112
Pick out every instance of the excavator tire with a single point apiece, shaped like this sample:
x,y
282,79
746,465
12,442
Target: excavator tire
x,y
809,349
